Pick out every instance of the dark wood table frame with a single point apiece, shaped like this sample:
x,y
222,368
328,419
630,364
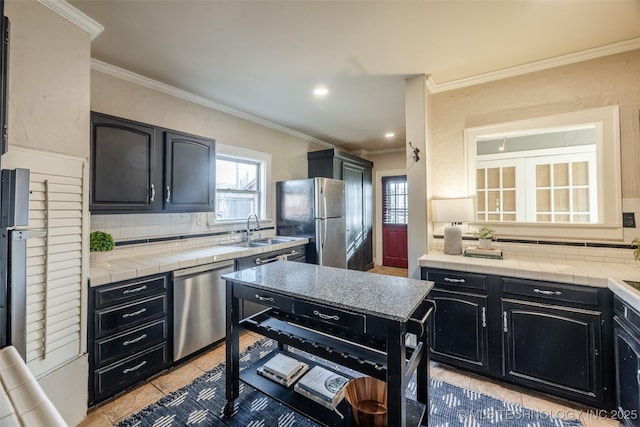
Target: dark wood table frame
x,y
396,368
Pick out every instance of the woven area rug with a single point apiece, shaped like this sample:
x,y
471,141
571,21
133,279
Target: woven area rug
x,y
201,402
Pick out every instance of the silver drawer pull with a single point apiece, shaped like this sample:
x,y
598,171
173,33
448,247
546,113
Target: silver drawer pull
x,y
325,316
131,291
449,279
135,368
268,299
484,317
135,313
505,322
135,340
265,261
153,192
540,291
638,376
168,194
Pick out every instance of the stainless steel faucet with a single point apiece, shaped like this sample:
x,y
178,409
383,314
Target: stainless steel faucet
x,y
249,225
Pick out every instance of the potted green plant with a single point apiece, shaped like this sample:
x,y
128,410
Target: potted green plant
x,y
100,244
484,235
636,250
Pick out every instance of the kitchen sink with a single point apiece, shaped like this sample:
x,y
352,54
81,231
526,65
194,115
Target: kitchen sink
x,y
272,240
258,243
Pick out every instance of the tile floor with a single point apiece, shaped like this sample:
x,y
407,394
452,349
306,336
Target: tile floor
x,y
111,412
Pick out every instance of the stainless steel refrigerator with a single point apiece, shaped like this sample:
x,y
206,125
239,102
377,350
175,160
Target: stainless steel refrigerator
x,y
314,208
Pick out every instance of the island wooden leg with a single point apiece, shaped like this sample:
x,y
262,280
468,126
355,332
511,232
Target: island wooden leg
x,y
396,384
232,380
422,378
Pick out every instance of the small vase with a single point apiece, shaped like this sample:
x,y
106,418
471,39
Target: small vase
x,y
484,243
98,258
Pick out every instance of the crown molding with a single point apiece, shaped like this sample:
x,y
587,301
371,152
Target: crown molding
x,y
386,151
73,15
143,81
545,64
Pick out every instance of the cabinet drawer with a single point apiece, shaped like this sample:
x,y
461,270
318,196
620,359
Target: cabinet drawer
x,y
123,316
551,291
128,343
267,257
118,376
270,299
456,278
623,311
353,321
106,295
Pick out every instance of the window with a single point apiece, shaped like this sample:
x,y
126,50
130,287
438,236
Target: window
x,y
240,183
574,193
394,200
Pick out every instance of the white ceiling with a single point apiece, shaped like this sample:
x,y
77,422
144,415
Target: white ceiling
x,y
265,57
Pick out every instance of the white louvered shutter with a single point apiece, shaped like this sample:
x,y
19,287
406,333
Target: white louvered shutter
x,y
55,273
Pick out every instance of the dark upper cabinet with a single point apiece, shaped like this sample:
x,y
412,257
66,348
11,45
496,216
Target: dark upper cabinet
x,y
189,175
357,175
124,166
127,173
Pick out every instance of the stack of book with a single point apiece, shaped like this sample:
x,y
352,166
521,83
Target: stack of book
x,y
283,369
322,386
491,253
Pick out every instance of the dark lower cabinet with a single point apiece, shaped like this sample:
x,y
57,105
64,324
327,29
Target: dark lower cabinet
x,y
552,337
627,356
459,334
128,334
553,347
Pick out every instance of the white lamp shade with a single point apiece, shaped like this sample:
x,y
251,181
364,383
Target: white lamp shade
x,y
452,210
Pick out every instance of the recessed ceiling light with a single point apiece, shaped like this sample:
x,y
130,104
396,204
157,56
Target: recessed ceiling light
x,y
389,135
320,91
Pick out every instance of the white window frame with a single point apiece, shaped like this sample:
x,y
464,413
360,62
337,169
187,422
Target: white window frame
x,y
264,189
607,123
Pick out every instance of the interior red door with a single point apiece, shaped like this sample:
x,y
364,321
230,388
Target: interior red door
x,y
394,221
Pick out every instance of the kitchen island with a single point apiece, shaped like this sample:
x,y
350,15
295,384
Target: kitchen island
x,y
354,319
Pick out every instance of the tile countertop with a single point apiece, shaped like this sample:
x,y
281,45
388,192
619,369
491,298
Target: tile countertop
x,y
588,273
169,259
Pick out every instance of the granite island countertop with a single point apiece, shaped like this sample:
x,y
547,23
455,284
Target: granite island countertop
x,y
586,273
166,258
388,297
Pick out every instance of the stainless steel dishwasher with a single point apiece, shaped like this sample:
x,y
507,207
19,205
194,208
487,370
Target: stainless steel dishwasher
x,y
199,311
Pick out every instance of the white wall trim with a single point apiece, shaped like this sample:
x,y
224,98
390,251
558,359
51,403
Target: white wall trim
x,y
545,64
143,81
378,208
64,9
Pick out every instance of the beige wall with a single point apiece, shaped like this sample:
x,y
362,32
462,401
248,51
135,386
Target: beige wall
x,y
596,83
49,70
48,111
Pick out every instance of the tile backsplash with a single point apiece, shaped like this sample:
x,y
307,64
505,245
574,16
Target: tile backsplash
x,y
127,227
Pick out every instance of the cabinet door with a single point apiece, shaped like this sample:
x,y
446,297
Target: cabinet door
x,y
459,329
189,173
353,177
627,351
123,166
552,348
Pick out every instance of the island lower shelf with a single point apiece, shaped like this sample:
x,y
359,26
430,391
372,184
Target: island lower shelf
x,y
316,412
